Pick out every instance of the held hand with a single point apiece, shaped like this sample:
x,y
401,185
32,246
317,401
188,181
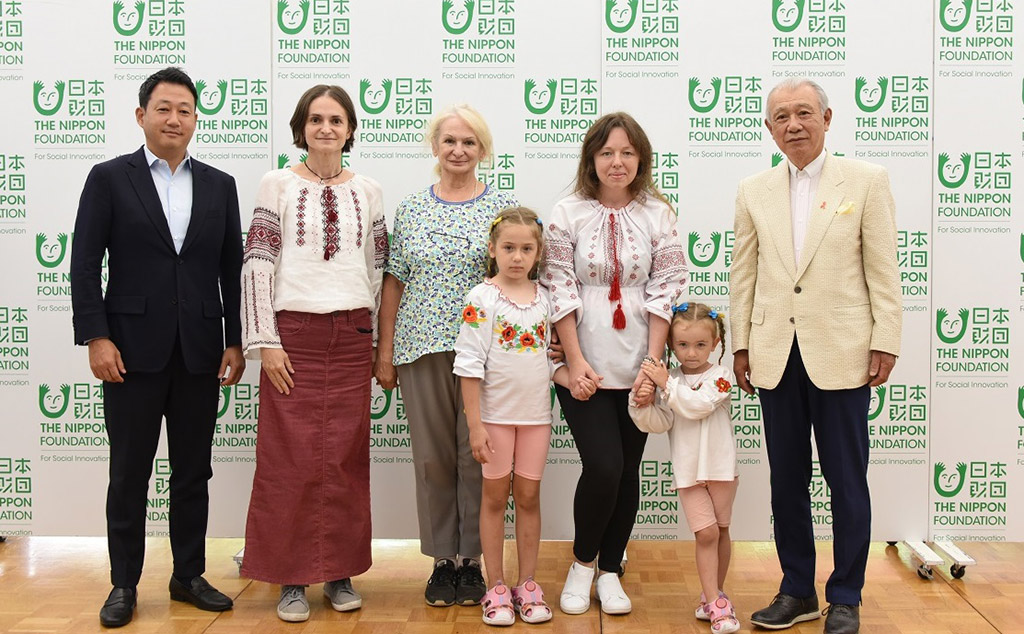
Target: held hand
x,y
384,372
741,367
555,351
105,361
881,365
480,441
232,358
644,394
279,369
654,371
583,381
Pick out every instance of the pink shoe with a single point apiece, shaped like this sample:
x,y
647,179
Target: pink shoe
x,y
497,606
528,599
723,617
702,609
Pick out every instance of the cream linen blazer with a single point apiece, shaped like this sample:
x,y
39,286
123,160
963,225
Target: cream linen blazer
x,y
842,300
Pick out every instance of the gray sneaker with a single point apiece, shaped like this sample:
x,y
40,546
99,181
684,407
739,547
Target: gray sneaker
x,y
293,606
343,597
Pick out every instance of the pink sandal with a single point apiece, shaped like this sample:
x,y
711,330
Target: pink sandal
x,y
497,606
723,617
529,602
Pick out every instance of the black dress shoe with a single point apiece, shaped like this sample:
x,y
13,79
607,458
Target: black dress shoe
x,y
118,608
200,594
786,610
842,619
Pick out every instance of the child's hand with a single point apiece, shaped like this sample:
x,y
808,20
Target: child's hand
x,y
644,395
655,371
480,441
584,388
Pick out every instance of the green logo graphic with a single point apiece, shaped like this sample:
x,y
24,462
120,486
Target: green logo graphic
x,y
1020,401
777,158
787,14
283,160
952,331
292,21
54,406
954,14
539,101
949,485
953,175
878,400
379,405
456,21
374,101
210,103
704,100
47,102
870,99
620,17
225,399
51,255
1022,248
132,21
698,252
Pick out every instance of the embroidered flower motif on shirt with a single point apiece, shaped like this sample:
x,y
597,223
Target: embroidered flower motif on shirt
x,y
473,316
723,385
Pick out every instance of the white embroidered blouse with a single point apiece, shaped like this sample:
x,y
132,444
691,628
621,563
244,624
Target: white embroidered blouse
x,y
583,240
311,248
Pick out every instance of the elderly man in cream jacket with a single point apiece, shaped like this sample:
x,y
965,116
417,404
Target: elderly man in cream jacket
x,y
816,317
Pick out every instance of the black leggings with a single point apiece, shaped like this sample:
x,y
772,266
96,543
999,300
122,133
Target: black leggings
x,y
608,492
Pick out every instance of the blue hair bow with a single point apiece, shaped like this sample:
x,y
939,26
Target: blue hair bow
x,y
713,314
681,308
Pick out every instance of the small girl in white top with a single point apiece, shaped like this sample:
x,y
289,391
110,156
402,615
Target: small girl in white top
x,y
501,357
694,407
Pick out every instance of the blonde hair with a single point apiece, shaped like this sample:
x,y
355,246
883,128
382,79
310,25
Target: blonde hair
x,y
516,216
471,117
692,312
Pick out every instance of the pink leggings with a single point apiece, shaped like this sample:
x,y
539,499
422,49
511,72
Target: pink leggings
x,y
525,446
709,503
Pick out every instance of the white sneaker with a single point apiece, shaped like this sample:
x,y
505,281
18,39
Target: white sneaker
x,y
342,595
575,597
611,595
293,606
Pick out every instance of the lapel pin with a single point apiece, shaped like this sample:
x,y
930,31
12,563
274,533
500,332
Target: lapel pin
x,y
822,204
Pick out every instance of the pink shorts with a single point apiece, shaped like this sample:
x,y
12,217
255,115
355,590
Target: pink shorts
x,y
525,446
709,503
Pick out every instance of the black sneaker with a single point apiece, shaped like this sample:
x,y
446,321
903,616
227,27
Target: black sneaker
x,y
786,610
441,585
842,619
470,587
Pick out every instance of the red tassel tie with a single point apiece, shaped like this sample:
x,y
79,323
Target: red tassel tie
x,y
615,294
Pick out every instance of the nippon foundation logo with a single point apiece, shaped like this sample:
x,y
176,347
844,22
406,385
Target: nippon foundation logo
x,y
478,34
13,199
12,43
973,343
748,426
238,411
72,416
70,112
975,187
808,31
728,112
898,418
14,340
976,37
821,503
970,496
665,173
894,116
149,33
710,255
659,504
15,490
397,111
912,253
565,125
311,35
158,502
389,427
643,36
499,171
234,112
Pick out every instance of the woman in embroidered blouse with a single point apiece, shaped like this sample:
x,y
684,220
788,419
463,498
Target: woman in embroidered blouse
x,y
614,264
438,254
311,277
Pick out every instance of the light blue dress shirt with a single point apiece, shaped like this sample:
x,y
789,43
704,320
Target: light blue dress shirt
x,y
175,192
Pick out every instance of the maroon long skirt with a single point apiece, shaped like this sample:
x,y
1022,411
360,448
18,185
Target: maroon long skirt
x,y
309,514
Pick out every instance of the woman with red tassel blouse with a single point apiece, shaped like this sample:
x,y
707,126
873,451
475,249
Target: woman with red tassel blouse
x,y
614,264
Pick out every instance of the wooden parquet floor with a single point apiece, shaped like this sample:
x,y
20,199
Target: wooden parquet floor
x,y
51,584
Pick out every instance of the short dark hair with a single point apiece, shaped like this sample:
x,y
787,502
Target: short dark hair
x,y
169,75
301,113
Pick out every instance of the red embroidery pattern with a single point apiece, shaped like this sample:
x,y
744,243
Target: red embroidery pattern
x,y
264,238
381,246
723,385
332,240
359,220
300,218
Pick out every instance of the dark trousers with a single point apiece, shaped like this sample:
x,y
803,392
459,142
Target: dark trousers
x,y
608,491
134,410
839,420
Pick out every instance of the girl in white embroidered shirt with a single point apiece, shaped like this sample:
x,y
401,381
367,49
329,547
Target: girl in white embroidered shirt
x,y
501,357
694,407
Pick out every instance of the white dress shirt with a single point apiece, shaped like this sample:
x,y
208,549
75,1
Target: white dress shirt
x,y
803,186
175,192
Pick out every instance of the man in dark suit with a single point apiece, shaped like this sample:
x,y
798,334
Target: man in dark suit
x,y
164,336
